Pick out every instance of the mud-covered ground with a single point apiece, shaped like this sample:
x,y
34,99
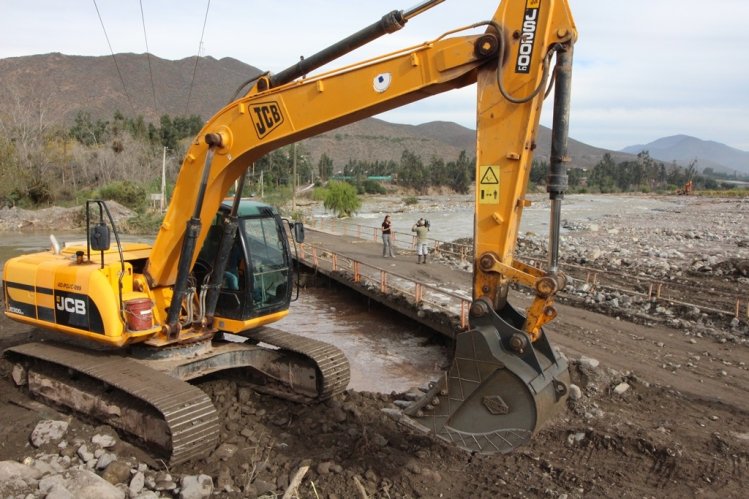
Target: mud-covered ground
x,y
662,408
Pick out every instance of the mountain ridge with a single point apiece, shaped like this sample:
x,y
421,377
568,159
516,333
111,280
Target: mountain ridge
x,y
67,84
684,149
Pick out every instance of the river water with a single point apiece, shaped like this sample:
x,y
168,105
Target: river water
x,y
451,216
387,352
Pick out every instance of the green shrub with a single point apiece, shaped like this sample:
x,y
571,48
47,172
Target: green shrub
x,y
319,193
342,199
126,193
373,187
146,222
410,200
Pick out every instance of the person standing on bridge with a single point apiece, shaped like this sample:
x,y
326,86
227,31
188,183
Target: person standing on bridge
x,y
387,247
422,232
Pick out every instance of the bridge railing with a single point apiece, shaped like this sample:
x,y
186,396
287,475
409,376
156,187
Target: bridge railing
x,y
421,295
402,240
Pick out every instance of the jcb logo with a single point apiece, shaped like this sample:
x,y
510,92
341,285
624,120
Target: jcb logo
x,y
71,305
266,116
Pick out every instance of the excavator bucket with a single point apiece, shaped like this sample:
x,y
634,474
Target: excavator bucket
x,y
499,390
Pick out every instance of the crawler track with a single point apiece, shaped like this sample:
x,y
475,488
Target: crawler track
x,y
125,394
151,399
331,362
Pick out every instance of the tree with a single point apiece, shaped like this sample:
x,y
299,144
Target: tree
x,y
325,167
412,172
167,132
32,139
460,171
575,176
88,132
341,197
539,171
603,174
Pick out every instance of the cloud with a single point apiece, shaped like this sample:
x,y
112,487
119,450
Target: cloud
x,y
643,69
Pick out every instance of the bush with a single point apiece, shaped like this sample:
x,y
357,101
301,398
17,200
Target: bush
x,y
319,193
410,200
126,193
143,223
39,192
342,199
373,187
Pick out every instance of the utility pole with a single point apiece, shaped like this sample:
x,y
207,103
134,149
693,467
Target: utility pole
x,y
293,178
163,181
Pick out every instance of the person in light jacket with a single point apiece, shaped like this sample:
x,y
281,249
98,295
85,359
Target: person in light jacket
x,y
387,247
422,233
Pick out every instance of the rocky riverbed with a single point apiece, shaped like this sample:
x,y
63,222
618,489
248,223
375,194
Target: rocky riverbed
x,y
686,265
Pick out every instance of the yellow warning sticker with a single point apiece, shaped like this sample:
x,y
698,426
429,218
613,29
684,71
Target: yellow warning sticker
x,y
488,185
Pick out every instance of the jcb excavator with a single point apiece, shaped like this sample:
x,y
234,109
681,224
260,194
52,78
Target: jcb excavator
x,y
159,314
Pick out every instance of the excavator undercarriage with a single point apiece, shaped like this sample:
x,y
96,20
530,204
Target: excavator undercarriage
x,y
145,392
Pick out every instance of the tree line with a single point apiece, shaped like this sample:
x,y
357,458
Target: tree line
x,y
413,173
641,174
42,163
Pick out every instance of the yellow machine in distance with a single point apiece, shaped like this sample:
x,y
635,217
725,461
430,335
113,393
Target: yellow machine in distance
x,y
163,308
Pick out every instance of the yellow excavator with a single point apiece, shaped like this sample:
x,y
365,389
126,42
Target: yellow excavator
x,y
153,317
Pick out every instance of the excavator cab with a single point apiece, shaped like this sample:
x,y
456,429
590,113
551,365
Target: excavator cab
x,y
258,277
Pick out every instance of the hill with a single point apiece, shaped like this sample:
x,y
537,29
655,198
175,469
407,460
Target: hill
x,y
64,85
67,84
684,149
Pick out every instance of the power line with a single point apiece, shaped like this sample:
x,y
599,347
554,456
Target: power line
x,y
197,57
148,55
127,95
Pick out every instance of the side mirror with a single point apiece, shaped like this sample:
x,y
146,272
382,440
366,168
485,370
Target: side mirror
x,y
298,228
99,237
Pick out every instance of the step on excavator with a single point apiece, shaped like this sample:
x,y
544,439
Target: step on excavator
x,y
143,320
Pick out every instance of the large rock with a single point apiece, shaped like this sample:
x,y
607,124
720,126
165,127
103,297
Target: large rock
x,y
47,431
103,441
13,469
196,487
16,478
117,472
84,484
137,483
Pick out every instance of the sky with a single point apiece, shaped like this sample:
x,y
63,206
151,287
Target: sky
x,y
643,69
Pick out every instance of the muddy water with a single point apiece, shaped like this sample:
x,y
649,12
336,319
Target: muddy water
x,y
386,352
